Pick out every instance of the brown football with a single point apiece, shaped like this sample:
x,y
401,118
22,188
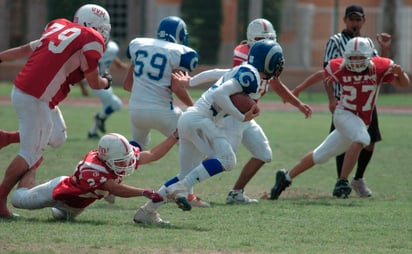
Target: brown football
x,y
242,102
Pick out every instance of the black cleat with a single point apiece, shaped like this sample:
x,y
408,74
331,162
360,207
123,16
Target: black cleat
x,y
281,184
93,135
100,123
342,189
183,203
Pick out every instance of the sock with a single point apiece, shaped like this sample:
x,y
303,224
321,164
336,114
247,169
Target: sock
x,y
206,169
107,111
339,163
363,161
14,137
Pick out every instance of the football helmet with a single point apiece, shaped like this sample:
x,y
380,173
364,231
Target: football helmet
x,y
358,54
267,57
95,16
117,153
173,29
259,29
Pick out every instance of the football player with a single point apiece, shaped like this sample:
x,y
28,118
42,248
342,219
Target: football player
x,y
250,133
98,175
204,150
66,53
148,79
360,76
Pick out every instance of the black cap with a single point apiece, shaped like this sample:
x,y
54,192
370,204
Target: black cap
x,y
354,9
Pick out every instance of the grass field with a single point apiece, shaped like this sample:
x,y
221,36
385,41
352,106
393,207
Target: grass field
x,y
305,219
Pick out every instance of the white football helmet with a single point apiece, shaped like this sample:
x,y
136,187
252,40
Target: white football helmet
x,y
358,54
117,153
95,16
260,29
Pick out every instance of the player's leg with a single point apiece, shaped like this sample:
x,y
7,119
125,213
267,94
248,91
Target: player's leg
x,y
38,197
358,183
35,129
110,104
353,128
257,144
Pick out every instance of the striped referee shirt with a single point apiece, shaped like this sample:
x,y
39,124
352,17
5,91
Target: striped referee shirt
x,y
335,47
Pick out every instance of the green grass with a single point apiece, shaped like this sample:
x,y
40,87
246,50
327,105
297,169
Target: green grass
x,y
306,219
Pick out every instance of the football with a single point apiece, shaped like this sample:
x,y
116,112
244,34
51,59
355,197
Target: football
x,y
242,102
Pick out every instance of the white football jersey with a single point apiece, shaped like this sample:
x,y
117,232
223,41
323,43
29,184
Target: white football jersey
x,y
112,49
154,60
245,78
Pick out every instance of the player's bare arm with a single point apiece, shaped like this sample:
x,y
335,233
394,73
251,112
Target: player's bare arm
x,y
158,151
179,84
287,96
313,79
329,91
127,191
95,81
16,53
128,79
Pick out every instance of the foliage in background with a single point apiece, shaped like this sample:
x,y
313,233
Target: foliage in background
x,y
66,8
204,19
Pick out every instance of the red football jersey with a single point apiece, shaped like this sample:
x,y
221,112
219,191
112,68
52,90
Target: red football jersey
x,y
240,54
83,187
359,90
60,58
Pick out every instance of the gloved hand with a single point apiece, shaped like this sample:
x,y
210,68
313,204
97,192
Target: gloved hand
x,y
154,196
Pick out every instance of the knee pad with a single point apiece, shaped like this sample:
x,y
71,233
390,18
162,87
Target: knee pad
x,y
224,153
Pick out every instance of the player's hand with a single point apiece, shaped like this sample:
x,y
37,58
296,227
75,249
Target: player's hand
x,y
252,113
154,196
180,79
306,110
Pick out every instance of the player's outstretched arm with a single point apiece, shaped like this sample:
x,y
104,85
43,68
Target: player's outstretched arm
x,y
313,79
159,150
287,96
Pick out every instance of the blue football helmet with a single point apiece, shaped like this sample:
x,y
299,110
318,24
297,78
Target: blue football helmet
x,y
173,29
267,57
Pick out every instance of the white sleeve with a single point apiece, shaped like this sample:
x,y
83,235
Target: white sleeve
x,y
207,77
222,98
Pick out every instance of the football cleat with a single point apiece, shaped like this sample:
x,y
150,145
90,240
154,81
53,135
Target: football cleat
x,y
342,189
178,192
144,217
360,187
280,185
100,123
239,197
93,135
197,202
